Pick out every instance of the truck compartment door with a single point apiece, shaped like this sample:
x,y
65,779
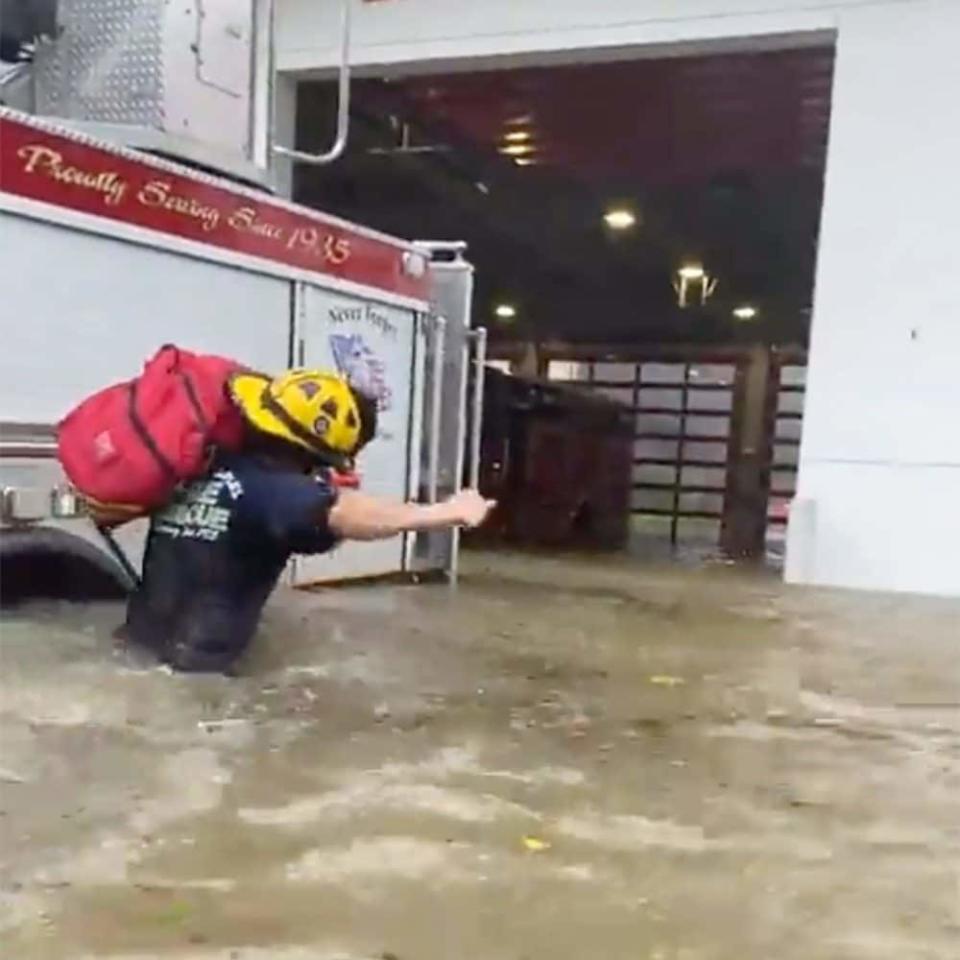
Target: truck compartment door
x,y
374,345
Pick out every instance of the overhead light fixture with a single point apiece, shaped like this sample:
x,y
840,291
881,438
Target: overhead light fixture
x,y
517,136
693,281
517,149
745,312
505,311
691,271
519,120
619,219
524,161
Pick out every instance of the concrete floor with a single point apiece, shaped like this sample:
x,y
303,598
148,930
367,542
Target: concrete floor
x,y
564,759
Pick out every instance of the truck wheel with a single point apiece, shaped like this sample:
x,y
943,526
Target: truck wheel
x,y
42,562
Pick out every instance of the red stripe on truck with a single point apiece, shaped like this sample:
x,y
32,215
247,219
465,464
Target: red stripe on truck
x,y
39,164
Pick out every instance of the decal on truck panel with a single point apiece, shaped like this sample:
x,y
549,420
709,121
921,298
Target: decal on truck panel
x,y
361,366
74,174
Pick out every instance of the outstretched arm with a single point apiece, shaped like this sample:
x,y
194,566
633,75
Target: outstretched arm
x,y
356,516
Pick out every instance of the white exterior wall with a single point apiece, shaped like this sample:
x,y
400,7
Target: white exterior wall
x,y
425,32
879,480
879,487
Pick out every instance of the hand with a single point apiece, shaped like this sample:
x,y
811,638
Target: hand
x,y
469,508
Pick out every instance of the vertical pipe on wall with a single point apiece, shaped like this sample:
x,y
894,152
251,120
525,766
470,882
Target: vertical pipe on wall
x,y
436,394
476,413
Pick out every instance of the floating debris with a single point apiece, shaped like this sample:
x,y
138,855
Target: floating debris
x,y
666,680
211,725
535,844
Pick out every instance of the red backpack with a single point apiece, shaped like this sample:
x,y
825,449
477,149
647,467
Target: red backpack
x,y
127,447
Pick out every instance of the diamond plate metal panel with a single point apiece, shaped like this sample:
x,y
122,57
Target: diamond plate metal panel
x,y
451,296
183,69
107,64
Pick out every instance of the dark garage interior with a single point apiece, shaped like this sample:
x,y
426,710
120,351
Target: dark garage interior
x,y
644,227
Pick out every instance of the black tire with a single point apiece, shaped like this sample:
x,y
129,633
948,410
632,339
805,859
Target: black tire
x,y
44,562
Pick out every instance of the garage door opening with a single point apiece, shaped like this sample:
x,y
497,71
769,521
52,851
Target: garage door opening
x,y
645,228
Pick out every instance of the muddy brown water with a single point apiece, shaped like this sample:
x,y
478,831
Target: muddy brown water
x,y
561,759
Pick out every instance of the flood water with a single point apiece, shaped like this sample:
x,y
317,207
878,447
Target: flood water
x,y
563,759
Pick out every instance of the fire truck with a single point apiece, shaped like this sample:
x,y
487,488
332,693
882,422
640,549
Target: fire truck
x,y
136,209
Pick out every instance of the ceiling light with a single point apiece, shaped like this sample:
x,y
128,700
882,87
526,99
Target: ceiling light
x,y
520,120
690,271
517,149
505,311
517,136
745,312
619,219
524,161
693,285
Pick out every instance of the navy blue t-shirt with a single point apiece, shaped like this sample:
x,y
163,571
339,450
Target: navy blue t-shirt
x,y
215,553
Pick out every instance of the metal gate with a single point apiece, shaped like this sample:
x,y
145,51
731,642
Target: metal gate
x,y
787,396
692,450
682,413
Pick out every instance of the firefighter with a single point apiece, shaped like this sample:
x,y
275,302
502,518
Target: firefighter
x,y
215,553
